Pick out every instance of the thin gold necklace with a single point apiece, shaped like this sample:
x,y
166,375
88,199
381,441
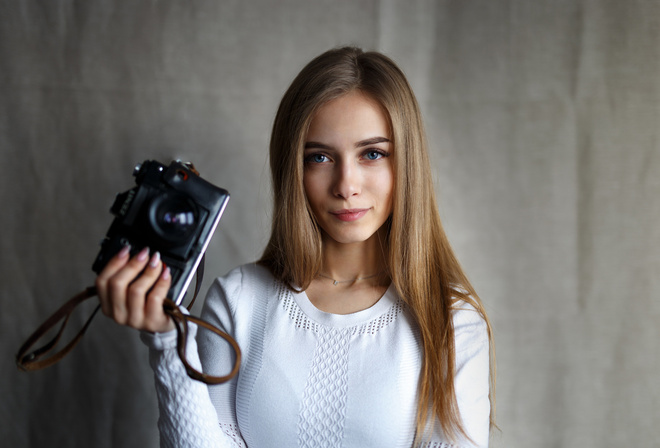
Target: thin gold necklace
x,y
336,282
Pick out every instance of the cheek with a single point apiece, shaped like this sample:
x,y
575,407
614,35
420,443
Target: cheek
x,y
312,187
386,188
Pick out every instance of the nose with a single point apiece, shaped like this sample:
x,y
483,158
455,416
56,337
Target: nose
x,y
347,180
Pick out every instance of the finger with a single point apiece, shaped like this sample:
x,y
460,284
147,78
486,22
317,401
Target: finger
x,y
156,320
117,285
138,290
101,283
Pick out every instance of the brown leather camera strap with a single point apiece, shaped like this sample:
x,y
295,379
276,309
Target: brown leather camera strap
x,y
181,323
34,360
199,275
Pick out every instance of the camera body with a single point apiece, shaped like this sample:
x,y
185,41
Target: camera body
x,y
171,210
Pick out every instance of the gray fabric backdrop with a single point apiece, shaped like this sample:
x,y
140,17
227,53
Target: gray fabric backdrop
x,y
543,120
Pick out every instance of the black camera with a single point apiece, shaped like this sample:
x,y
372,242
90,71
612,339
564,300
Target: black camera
x,y
171,210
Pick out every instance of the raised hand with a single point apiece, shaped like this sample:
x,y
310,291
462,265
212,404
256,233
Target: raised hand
x,y
132,291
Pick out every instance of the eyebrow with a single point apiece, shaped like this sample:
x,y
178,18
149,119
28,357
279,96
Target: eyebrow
x,y
360,144
372,141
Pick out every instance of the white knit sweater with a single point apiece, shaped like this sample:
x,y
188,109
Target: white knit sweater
x,y
309,378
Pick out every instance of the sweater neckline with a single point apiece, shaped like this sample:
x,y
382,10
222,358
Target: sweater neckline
x,y
387,300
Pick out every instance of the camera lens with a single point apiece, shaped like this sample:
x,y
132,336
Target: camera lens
x,y
174,217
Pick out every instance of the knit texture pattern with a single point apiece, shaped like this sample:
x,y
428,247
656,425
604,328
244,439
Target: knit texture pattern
x,y
323,410
183,423
233,433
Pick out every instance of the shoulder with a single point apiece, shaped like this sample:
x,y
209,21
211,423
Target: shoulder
x,y
249,275
470,327
245,276
248,280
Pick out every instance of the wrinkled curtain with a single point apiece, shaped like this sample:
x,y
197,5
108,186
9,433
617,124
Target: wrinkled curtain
x,y
543,122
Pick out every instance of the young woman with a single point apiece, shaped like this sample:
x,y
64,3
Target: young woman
x,y
357,326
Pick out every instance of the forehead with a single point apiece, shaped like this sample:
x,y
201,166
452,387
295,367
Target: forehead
x,y
353,115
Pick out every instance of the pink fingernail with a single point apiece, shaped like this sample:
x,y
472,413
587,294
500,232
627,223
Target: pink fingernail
x,y
155,260
166,273
123,253
144,253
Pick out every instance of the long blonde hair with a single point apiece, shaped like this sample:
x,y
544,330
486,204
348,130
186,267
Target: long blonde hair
x,y
421,263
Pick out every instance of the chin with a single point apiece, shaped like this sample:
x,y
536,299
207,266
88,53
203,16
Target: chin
x,y
349,237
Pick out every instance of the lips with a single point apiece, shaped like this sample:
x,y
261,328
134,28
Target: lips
x,y
348,215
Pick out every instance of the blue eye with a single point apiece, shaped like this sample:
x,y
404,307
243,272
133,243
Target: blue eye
x,y
316,158
373,155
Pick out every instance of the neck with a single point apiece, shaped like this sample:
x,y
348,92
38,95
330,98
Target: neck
x,y
344,262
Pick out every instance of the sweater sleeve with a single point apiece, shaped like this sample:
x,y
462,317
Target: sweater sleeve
x,y
187,415
217,356
471,382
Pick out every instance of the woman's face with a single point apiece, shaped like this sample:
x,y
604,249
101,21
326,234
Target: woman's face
x,y
348,174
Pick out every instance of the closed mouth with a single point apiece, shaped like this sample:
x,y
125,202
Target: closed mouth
x,y
351,214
